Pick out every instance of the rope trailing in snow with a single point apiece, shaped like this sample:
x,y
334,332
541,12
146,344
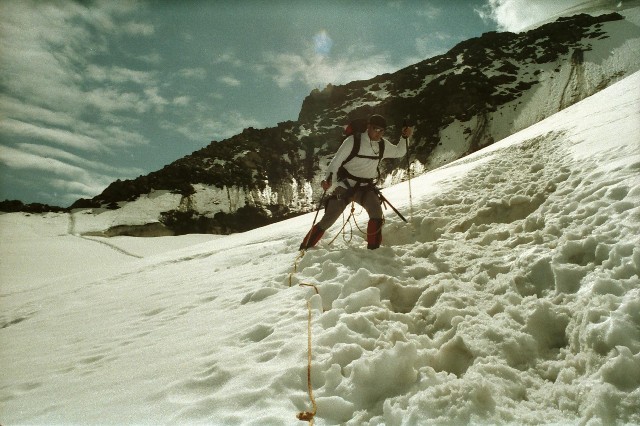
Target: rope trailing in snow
x,y
315,287
295,266
295,269
309,415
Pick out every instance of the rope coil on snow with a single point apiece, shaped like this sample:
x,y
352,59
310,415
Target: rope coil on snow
x,y
344,224
348,221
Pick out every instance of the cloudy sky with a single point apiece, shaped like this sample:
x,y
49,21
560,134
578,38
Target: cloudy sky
x,y
94,91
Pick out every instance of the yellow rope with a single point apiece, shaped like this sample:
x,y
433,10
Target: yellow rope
x,y
295,266
306,415
366,233
309,415
348,221
344,224
310,285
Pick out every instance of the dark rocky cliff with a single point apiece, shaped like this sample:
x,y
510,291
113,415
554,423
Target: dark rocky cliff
x,y
480,91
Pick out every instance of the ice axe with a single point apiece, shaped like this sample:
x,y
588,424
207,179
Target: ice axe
x,y
386,202
320,203
303,246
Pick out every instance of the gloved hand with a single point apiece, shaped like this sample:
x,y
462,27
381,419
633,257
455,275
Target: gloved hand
x,y
407,132
326,184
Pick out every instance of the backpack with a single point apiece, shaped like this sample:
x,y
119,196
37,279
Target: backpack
x,y
355,128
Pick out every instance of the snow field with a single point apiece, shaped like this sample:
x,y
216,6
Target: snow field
x,y
511,297
514,299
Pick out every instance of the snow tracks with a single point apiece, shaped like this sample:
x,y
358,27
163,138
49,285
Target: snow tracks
x,y
513,298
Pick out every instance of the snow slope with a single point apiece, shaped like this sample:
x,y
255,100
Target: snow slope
x,y
513,296
558,84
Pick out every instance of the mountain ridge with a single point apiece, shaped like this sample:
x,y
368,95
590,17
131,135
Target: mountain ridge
x,y
481,91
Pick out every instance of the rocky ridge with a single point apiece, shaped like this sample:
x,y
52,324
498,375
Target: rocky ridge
x,y
479,92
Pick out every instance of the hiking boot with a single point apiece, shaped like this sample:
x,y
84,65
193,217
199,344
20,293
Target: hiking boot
x,y
374,234
312,237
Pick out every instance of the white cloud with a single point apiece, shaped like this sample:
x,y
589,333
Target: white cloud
x,y
203,125
195,73
181,100
116,136
517,15
53,135
155,99
229,81
429,12
110,100
228,57
429,45
56,171
72,159
322,43
50,167
316,71
61,128
50,82
72,190
139,28
153,58
19,111
17,159
120,75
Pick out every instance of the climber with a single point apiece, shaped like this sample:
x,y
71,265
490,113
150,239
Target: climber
x,y
356,169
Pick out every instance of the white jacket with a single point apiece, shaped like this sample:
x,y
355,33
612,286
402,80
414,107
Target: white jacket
x,y
366,168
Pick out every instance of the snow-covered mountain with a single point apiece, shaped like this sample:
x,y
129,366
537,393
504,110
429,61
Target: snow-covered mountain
x,y
512,296
481,91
